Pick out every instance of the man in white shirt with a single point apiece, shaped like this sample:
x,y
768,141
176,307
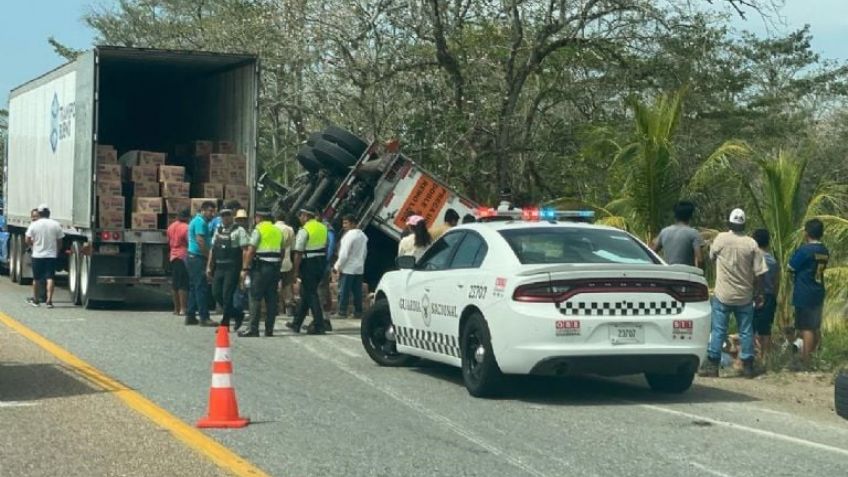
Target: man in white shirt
x,y
45,237
286,266
353,250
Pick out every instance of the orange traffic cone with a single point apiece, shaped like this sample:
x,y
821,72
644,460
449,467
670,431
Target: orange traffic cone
x,y
223,408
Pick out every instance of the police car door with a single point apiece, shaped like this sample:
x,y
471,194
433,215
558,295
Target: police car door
x,y
432,287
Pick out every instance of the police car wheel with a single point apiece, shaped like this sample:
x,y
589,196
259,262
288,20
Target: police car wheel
x,y
840,394
377,332
669,383
480,371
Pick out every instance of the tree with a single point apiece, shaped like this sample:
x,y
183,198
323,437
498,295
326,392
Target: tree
x,y
783,198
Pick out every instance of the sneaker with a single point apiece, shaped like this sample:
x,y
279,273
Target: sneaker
x,y
32,301
748,370
709,369
190,320
208,323
291,326
50,305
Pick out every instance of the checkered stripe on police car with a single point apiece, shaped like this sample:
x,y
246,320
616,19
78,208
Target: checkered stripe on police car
x,y
428,340
621,308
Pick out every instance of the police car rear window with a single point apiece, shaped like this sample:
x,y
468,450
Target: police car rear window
x,y
575,245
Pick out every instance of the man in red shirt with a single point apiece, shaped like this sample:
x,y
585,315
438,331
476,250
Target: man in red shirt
x,y
178,243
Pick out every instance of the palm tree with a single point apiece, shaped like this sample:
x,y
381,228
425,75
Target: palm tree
x,y
652,180
776,190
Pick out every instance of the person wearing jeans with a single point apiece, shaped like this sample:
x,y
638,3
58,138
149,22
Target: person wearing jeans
x,y
199,241
353,249
740,265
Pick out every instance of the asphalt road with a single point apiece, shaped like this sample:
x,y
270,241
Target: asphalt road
x,y
320,407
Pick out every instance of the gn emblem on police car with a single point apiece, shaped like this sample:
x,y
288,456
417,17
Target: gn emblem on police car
x,y
425,310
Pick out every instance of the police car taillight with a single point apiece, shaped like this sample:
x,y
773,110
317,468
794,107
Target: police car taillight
x,y
547,292
690,292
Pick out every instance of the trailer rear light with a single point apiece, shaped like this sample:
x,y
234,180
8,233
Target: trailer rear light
x,y
547,292
107,236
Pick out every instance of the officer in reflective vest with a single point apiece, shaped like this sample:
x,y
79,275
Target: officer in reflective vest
x,y
225,261
310,262
262,260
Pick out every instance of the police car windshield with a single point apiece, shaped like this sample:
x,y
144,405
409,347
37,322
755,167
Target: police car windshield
x,y
575,245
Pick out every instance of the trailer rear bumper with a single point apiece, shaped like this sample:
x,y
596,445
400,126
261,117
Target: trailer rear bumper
x,y
123,280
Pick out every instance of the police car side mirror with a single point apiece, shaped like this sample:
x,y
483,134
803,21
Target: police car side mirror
x,y
405,262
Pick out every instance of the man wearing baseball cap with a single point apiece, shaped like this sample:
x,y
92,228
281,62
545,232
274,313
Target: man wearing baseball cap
x,y
740,265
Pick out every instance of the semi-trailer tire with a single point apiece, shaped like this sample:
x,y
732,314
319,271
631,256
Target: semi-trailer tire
x,y
74,273
347,140
307,159
93,294
21,260
840,394
333,157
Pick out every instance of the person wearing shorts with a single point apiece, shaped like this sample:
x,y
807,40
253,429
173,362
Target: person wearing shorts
x,y
766,304
45,237
178,244
807,265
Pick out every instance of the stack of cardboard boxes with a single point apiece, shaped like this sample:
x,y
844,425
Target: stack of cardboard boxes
x,y
217,175
111,204
151,183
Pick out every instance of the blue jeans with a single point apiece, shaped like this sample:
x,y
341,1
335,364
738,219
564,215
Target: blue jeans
x,y
720,318
350,285
197,288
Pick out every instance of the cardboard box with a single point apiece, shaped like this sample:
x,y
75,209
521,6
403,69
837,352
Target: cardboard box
x,y
148,204
111,203
110,220
207,189
213,168
225,147
109,188
174,206
143,174
177,190
237,192
143,158
200,148
198,202
171,174
109,172
106,154
144,221
145,189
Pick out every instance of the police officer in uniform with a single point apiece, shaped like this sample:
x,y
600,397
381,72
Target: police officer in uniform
x,y
225,261
310,262
266,247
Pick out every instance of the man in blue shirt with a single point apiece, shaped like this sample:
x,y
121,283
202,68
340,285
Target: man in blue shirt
x,y
199,242
808,265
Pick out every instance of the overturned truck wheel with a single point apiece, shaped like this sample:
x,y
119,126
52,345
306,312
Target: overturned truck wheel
x,y
346,140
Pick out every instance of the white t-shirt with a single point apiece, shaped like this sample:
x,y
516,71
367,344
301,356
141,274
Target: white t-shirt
x,y
288,236
353,250
45,233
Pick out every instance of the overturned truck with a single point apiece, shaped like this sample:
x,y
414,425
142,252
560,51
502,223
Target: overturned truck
x,y
374,182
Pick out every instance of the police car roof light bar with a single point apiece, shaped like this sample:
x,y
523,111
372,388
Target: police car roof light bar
x,y
534,214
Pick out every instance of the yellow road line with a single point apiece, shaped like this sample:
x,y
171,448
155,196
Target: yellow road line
x,y
222,456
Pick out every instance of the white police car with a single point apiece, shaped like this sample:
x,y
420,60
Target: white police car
x,y
531,296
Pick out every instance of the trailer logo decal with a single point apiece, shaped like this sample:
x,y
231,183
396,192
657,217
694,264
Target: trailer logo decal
x,y
61,121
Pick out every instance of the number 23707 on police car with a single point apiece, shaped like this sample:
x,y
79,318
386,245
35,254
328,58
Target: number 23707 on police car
x,y
542,297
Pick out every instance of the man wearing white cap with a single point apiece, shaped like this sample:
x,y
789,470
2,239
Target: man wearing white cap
x,y
740,264
45,237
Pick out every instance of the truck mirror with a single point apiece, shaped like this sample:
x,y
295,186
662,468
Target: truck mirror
x,y
405,262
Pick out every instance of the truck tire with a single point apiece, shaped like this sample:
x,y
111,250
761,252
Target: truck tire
x,y
840,394
333,157
480,371
307,159
14,272
375,326
310,141
74,273
24,261
87,283
347,140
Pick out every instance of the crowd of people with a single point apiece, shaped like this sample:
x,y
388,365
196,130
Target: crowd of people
x,y
217,261
747,279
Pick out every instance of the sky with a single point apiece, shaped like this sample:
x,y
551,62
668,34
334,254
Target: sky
x,y
26,25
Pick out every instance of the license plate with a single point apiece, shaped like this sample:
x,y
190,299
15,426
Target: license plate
x,y
109,249
626,333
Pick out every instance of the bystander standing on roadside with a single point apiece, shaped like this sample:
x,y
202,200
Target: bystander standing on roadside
x,y
42,290
241,300
178,245
353,250
468,219
286,273
739,268
451,220
224,264
324,287
45,237
767,305
680,243
417,242
199,240
808,265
